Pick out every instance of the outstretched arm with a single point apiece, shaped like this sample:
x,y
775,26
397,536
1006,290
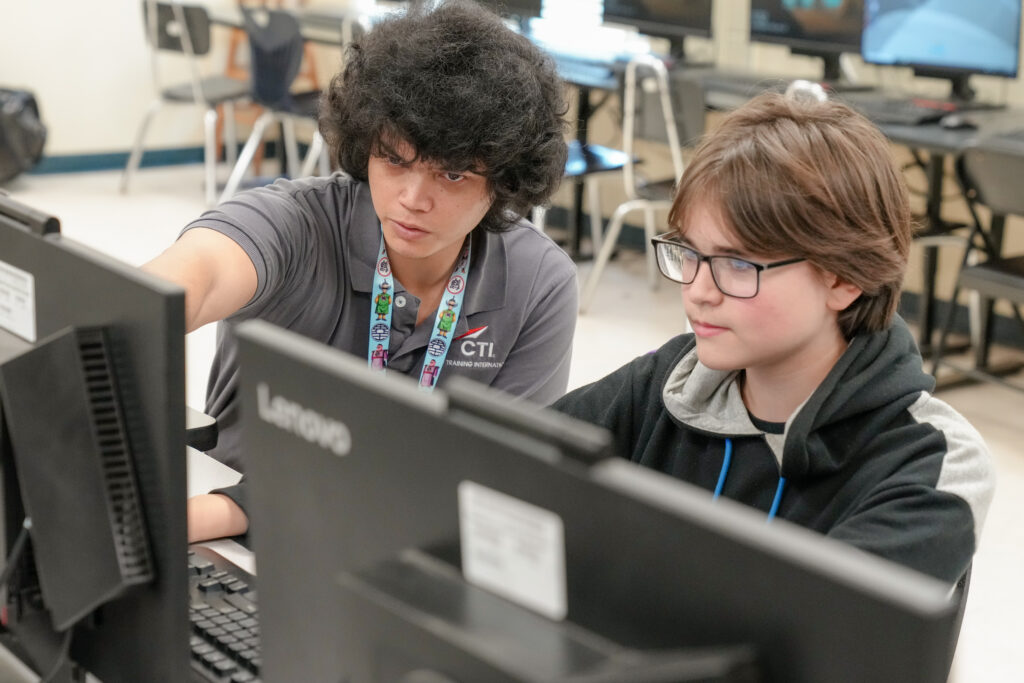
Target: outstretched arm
x,y
213,515
216,273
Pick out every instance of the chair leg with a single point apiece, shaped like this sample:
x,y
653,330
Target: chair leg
x,y
135,158
230,134
210,154
291,149
314,154
649,234
323,159
538,217
947,325
594,197
244,159
603,256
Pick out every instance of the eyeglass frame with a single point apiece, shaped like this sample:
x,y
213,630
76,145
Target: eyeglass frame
x,y
701,258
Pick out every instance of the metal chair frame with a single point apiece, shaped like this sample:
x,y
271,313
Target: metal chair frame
x,y
185,29
281,110
1002,202
647,198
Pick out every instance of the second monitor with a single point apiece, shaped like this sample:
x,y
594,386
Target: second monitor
x,y
671,19
459,536
950,40
817,28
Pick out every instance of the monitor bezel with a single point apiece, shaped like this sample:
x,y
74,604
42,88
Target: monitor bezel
x,y
662,28
954,73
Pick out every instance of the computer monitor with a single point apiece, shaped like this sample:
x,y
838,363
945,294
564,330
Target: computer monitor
x,y
818,28
519,11
950,40
53,290
462,536
672,19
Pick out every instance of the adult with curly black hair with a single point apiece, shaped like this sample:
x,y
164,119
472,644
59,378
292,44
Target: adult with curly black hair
x,y
448,128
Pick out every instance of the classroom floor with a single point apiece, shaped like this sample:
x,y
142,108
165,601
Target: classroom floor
x,y
625,319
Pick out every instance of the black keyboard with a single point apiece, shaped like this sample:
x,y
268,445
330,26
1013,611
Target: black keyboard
x,y
901,110
739,83
1016,135
225,635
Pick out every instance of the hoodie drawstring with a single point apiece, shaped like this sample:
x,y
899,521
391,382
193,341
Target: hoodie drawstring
x,y
726,461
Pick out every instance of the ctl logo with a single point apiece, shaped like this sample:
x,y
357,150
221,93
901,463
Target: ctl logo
x,y
304,423
470,345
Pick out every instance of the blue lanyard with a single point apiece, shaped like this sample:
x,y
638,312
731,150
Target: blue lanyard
x,y
444,324
726,461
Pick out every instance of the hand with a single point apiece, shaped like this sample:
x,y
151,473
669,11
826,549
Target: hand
x,y
212,515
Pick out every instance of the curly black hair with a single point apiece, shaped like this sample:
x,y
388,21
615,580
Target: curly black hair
x,y
465,91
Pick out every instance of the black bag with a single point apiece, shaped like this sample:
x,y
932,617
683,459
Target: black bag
x,y
22,134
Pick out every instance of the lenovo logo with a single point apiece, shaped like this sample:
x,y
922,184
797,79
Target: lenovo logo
x,y
304,423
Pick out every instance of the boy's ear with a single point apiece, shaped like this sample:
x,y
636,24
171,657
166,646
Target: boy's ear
x,y
841,293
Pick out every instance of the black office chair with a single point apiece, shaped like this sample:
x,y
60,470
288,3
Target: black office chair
x,y
185,30
989,175
585,163
277,47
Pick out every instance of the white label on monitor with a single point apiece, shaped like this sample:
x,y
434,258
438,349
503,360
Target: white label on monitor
x,y
17,301
513,548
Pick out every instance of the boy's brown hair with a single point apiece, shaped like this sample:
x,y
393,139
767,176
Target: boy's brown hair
x,y
808,179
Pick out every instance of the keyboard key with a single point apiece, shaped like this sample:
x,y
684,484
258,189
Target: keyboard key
x,y
222,614
209,585
242,601
225,667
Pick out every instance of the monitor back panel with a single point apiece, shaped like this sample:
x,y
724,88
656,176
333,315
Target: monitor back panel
x,y
650,563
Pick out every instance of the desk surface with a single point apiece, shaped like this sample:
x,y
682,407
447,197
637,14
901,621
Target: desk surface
x,y
204,474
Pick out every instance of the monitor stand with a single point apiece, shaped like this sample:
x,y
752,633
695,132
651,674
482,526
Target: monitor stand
x,y
841,85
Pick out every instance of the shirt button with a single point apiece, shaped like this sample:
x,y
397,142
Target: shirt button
x,y
400,301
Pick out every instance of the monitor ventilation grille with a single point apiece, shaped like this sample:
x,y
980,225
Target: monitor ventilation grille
x,y
126,519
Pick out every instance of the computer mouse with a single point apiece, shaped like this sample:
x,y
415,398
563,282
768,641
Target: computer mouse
x,y
957,122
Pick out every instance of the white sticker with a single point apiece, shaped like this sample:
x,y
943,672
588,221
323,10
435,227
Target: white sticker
x,y
513,548
17,301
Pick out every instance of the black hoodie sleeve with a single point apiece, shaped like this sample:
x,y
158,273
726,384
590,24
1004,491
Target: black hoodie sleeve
x,y
912,515
623,400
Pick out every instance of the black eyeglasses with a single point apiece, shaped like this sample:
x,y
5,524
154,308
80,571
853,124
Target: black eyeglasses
x,y
735,277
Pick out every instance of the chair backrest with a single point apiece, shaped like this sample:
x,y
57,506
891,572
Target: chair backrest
x,y
276,50
177,28
183,29
652,68
991,171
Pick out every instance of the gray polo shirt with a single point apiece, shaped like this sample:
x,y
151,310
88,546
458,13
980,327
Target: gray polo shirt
x,y
314,243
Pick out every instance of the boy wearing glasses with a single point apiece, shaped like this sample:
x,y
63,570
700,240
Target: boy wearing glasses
x,y
800,393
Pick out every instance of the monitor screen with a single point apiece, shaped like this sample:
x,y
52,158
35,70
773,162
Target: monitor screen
x,y
514,9
49,284
666,18
936,36
458,535
820,28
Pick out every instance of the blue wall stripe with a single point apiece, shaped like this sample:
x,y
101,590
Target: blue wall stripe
x,y
74,163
